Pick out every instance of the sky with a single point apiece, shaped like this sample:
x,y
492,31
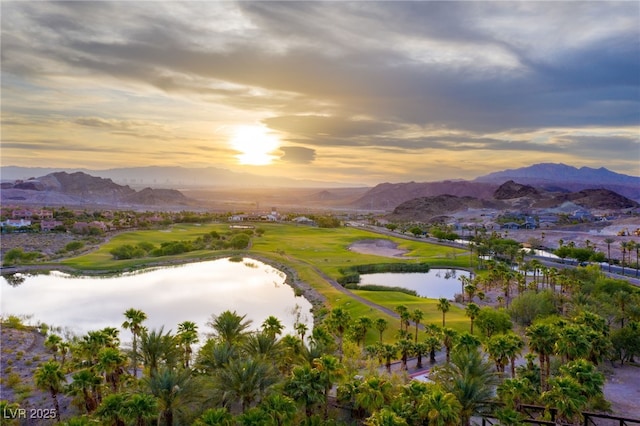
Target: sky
x,y
364,92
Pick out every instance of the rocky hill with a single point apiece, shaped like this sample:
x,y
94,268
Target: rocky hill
x,y
386,196
554,177
510,190
80,188
510,196
430,209
594,199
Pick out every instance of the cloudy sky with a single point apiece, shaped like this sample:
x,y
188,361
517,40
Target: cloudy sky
x,y
340,91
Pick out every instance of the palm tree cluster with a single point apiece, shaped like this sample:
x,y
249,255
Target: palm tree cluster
x,y
340,372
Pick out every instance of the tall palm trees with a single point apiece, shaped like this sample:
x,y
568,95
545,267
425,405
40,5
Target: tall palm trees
x,y
229,327
470,378
472,310
443,305
187,335
49,377
416,317
381,325
542,338
134,321
609,241
339,320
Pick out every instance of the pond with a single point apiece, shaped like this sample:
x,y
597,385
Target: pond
x,y
168,295
434,284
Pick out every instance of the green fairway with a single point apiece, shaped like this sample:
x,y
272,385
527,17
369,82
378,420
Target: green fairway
x,y
308,251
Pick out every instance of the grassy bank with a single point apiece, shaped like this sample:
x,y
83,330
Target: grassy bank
x,y
306,250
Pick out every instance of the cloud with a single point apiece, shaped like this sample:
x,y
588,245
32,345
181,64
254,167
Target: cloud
x,y
398,77
298,154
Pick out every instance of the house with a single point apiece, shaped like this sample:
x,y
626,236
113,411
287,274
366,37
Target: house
x,y
49,225
303,220
17,223
510,225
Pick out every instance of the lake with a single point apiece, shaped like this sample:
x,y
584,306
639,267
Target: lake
x,y
434,284
168,295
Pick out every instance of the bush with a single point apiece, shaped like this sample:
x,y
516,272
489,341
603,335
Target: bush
x,y
239,241
74,245
530,305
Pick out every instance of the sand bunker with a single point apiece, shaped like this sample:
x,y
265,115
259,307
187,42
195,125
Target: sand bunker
x,y
385,248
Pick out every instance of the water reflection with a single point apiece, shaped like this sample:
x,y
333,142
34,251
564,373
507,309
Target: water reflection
x,y
433,284
168,295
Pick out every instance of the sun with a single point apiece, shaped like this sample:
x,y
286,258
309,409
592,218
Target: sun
x,y
255,145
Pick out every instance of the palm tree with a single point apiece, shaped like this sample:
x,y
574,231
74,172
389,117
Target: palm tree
x,y
496,348
609,241
449,336
572,342
374,393
443,305
515,344
305,387
84,381
187,335
466,341
402,312
565,394
385,417
215,417
387,352
134,321
542,338
49,377
381,325
111,362
419,349
280,409
360,328
112,409
432,341
265,346
53,344
272,326
301,329
416,317
623,247
246,380
470,378
472,310
440,408
514,392
330,370
587,375
156,348
174,389
141,407
405,347
229,327
339,320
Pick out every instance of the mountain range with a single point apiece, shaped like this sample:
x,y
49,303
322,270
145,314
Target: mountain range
x,y
20,185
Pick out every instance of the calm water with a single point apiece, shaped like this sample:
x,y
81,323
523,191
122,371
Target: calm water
x,y
433,284
168,295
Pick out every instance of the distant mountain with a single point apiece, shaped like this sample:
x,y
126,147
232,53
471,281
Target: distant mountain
x,y
509,196
387,196
552,176
437,208
177,177
80,189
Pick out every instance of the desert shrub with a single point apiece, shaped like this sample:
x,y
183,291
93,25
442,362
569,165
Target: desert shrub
x,y
13,321
530,305
74,245
239,241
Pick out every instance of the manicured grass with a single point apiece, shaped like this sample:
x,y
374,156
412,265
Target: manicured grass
x,y
304,249
454,318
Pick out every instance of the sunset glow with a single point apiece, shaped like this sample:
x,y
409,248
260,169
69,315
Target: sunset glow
x,y
255,145
355,92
